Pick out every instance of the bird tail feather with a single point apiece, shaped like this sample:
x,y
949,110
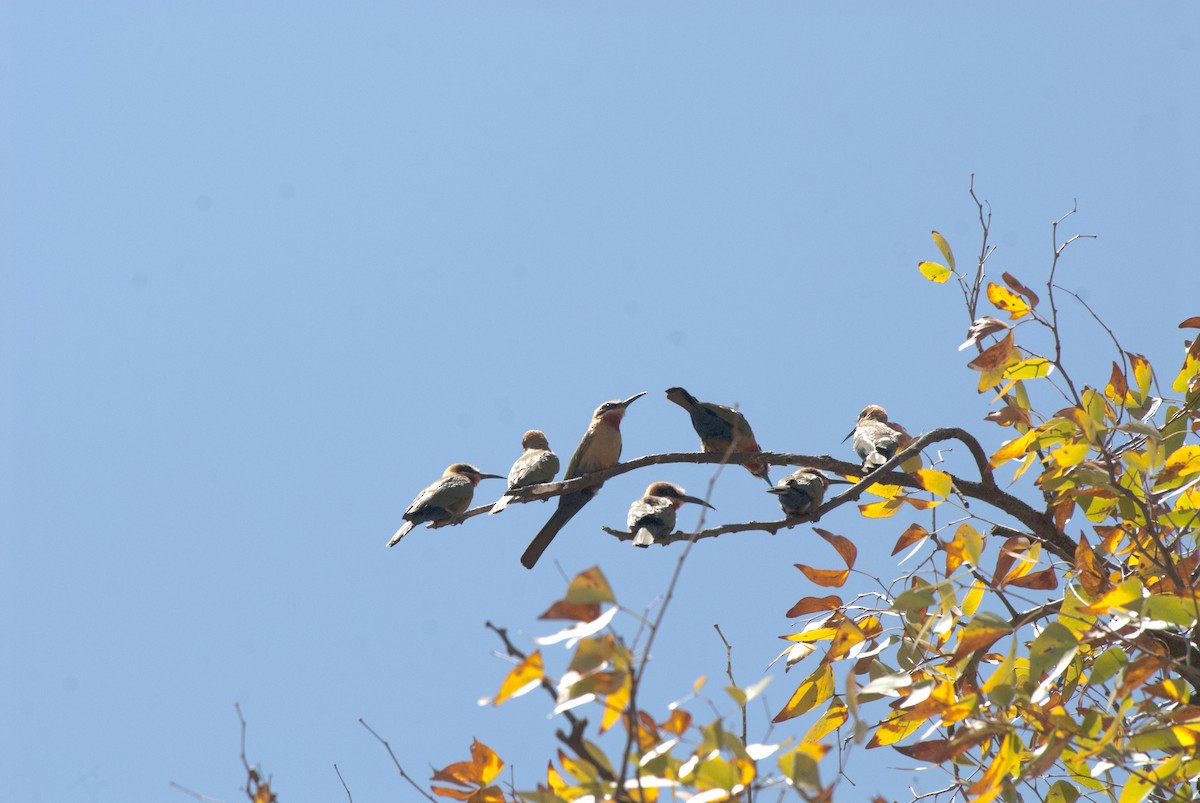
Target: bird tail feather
x,y
403,531
568,506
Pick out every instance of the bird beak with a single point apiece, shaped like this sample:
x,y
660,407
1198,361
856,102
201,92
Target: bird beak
x,y
777,491
848,434
838,481
696,501
633,398
490,477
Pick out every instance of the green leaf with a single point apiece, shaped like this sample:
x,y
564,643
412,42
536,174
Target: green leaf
x,y
914,599
590,586
944,247
1050,653
1062,792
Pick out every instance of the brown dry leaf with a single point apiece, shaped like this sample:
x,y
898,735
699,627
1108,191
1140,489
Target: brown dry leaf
x,y
1117,389
814,604
1012,549
912,535
1044,580
843,545
825,578
573,611
1138,672
1191,323
981,328
930,751
1007,416
1094,581
1012,282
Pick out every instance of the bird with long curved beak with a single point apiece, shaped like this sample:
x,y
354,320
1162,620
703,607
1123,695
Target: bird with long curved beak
x,y
876,439
536,465
599,449
445,499
802,492
653,516
721,429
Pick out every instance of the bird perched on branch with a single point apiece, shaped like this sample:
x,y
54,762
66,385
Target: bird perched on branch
x,y
450,496
599,449
721,429
876,439
653,516
537,465
802,492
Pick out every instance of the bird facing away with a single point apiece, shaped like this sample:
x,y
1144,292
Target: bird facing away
x,y
653,516
801,492
721,429
450,496
599,449
536,465
876,439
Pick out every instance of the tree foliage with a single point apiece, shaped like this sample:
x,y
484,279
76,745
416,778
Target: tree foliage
x,y
1042,649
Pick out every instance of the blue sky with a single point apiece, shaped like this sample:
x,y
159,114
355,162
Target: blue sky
x,y
266,270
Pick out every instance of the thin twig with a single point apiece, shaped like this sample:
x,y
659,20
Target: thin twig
x,y
396,761
196,795
343,780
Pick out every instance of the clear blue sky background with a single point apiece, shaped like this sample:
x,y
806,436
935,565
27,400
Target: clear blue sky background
x,y
266,269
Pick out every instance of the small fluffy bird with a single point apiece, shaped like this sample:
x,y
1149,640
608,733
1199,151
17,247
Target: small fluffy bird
x,y
721,429
654,514
801,492
876,439
537,465
450,496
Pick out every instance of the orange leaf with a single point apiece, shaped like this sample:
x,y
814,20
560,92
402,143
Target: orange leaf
x,y
678,722
1012,549
1008,415
983,631
1117,389
843,545
825,577
995,356
1044,580
848,634
814,604
912,535
573,611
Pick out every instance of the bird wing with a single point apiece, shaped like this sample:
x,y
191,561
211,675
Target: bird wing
x,y
737,428
442,495
532,468
652,512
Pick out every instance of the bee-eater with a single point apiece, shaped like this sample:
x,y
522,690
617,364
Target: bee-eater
x,y
599,449
450,496
721,429
801,492
876,439
654,514
536,465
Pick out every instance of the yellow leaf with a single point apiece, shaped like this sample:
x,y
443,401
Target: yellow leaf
x,y
523,677
834,717
1143,374
615,703
1014,448
848,634
944,247
1031,368
936,482
982,631
934,272
1007,300
812,691
1007,759
1118,597
892,730
1072,454
590,586
880,510
973,598
966,545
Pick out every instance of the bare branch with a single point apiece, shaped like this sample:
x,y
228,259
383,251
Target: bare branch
x,y
396,761
343,780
